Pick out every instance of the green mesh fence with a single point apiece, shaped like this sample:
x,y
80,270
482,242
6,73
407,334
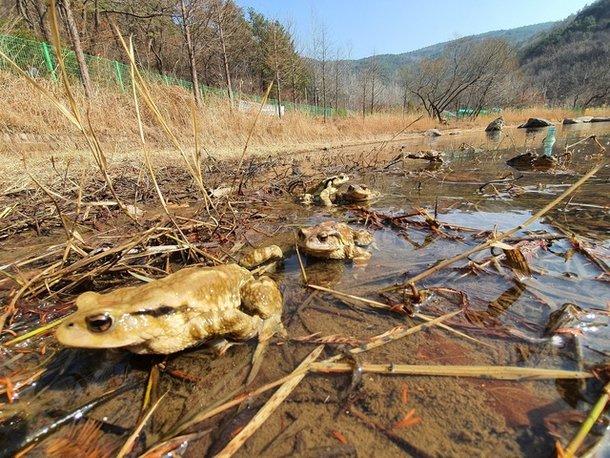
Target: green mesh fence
x,y
38,59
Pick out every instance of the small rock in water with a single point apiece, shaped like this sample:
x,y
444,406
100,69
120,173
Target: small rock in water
x,y
496,125
533,123
433,133
600,119
532,161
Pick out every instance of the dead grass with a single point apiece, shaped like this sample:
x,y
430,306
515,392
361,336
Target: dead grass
x,y
114,119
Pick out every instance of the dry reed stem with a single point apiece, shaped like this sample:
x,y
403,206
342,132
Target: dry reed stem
x,y
215,410
142,88
421,316
243,153
35,332
129,443
393,334
87,131
491,372
499,237
301,266
151,384
586,426
164,448
238,399
382,306
10,309
273,403
134,90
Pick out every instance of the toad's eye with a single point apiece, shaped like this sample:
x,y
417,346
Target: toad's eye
x,y
99,323
323,237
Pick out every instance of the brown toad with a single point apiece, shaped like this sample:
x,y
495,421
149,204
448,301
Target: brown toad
x,y
358,194
176,312
324,192
332,240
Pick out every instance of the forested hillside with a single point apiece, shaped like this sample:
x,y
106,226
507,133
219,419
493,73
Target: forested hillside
x,y
391,63
571,63
217,43
206,41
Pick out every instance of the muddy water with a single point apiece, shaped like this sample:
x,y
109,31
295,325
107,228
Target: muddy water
x,y
328,415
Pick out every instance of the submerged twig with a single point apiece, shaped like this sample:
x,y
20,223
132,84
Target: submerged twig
x,y
76,414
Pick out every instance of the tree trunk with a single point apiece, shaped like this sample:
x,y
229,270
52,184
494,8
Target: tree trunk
x,y
191,53
364,98
78,50
336,85
279,93
324,87
41,10
372,94
225,59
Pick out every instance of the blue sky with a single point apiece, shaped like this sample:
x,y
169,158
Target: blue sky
x,y
367,27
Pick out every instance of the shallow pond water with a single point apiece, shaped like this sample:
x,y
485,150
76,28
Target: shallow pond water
x,y
341,415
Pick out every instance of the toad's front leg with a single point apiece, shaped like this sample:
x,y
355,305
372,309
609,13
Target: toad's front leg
x,y
326,195
262,297
358,255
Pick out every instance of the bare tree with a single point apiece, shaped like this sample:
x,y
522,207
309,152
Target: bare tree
x,y
221,15
321,48
66,7
464,66
185,19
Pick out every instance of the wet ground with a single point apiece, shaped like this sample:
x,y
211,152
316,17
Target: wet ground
x,y
342,415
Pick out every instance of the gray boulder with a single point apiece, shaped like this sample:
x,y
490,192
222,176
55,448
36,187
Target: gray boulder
x,y
534,123
496,125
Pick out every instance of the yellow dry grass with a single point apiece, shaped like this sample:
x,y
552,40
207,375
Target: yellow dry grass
x,y
224,131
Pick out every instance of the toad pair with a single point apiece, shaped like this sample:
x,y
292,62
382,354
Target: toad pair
x,y
200,303
326,192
